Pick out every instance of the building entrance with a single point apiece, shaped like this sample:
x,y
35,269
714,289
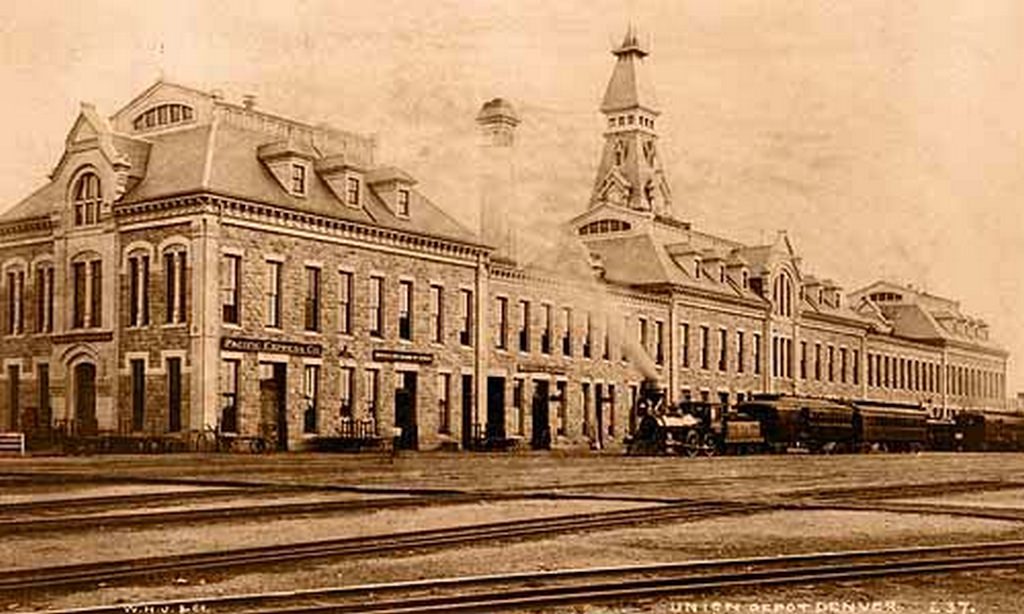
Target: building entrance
x,y
467,412
541,414
495,432
274,404
85,398
405,411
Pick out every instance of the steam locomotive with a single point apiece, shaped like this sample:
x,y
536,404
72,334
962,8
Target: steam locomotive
x,y
776,423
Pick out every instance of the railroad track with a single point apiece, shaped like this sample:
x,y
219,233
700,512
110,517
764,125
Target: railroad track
x,y
631,584
108,571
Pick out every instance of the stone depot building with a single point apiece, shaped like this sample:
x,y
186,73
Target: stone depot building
x,y
197,264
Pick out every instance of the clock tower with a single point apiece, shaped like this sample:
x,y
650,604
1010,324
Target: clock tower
x,y
630,174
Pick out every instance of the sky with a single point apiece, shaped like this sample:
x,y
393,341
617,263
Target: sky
x,y
884,137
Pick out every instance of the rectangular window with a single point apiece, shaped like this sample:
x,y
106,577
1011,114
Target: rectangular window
x,y
524,326
757,353
871,369
346,380
684,344
174,277
643,336
466,332
856,366
567,331
659,343
831,363
228,422
545,329
231,290
444,404
403,203
96,299
298,179
740,352
817,361
352,192
78,306
377,306
705,339
803,360
40,302
723,349
312,319
138,369
311,394
405,307
173,395
842,365
274,293
588,333
49,299
14,396
135,290
345,302
437,314
501,340
16,302
371,392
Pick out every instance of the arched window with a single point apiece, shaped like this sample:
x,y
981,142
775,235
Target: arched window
x,y
603,226
164,115
86,197
782,295
620,152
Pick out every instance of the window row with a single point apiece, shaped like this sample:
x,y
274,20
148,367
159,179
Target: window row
x,y
820,362
408,307
911,374
16,301
549,330
175,287
716,346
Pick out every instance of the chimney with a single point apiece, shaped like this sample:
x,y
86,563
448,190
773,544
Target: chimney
x,y
497,121
249,101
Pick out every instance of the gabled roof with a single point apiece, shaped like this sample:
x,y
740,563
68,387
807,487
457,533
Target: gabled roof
x,y
43,202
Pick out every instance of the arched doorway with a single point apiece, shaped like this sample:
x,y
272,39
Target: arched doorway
x,y
85,398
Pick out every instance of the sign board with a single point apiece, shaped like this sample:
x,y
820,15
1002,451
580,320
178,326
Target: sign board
x,y
271,346
541,368
422,358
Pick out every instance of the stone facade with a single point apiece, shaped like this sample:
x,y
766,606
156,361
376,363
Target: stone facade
x,y
278,232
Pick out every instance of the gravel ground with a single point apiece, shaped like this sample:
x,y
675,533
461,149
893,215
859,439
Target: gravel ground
x,y
53,492
733,477
1010,499
762,534
38,550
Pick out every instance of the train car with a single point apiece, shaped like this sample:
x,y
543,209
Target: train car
x,y
942,434
1003,431
889,426
800,422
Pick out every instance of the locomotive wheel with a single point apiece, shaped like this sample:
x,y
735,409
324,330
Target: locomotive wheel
x,y
691,444
708,445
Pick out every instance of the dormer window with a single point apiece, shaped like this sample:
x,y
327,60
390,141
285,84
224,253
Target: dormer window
x,y
87,197
402,205
352,192
298,179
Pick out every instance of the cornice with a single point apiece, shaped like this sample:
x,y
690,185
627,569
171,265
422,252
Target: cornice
x,y
226,206
32,225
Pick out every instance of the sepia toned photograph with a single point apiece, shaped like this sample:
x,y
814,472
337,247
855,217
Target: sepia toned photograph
x,y
602,307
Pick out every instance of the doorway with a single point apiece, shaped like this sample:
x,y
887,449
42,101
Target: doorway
x,y
85,398
274,403
14,388
405,411
541,414
496,409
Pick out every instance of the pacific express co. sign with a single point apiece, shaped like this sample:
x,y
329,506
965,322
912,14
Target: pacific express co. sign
x,y
271,346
